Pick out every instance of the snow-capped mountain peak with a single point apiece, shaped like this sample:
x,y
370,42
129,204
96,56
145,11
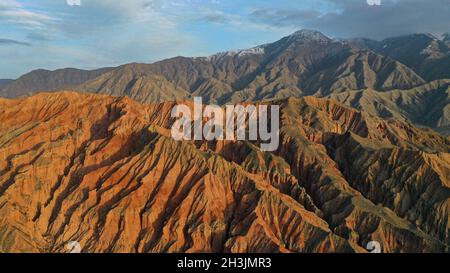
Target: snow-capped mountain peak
x,y
306,35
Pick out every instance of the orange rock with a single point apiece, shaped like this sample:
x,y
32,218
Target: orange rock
x,y
104,171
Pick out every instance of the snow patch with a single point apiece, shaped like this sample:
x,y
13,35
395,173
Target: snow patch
x,y
259,50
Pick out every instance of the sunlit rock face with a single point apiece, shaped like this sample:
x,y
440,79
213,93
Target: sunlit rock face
x,y
105,172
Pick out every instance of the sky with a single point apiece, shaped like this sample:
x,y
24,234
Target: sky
x,y
89,34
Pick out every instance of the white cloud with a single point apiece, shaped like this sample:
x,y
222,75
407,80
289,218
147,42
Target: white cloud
x,y
96,33
14,12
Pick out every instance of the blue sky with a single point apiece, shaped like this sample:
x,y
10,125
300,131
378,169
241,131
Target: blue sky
x,y
55,34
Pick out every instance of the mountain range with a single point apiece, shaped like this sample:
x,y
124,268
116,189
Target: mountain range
x,y
45,80
424,53
4,82
364,153
382,77
104,171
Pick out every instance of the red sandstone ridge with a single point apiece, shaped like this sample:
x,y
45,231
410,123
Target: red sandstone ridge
x,y
104,171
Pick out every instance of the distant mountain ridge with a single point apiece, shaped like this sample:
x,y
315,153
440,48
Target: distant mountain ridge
x,y
4,82
45,80
424,53
306,63
426,106
446,37
310,62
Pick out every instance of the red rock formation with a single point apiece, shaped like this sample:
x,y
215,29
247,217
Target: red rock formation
x,y
105,172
